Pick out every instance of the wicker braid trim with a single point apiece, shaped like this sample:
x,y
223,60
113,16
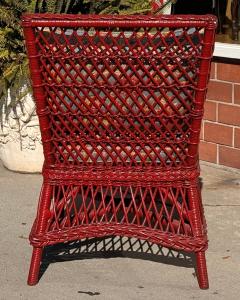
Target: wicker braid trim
x,y
110,175
177,242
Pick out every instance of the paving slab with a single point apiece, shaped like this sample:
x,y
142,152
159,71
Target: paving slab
x,y
120,268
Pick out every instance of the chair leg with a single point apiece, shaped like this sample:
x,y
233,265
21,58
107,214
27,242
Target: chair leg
x,y
202,274
39,228
33,275
198,224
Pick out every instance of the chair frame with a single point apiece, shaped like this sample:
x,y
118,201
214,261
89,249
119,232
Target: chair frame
x,y
171,180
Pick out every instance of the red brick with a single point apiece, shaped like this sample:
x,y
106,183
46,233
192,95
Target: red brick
x,y
213,71
228,72
237,138
208,151
229,157
229,114
236,93
210,111
219,91
201,132
218,134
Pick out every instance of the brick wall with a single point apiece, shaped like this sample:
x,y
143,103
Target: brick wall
x,y
220,136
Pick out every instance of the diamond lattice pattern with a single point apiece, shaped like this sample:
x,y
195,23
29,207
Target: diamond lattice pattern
x,y
120,97
164,209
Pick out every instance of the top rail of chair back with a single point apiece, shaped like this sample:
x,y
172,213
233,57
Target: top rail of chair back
x,y
68,20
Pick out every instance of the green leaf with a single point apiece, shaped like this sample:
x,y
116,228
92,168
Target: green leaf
x,y
4,54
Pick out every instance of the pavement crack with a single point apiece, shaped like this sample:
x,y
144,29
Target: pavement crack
x,y
89,293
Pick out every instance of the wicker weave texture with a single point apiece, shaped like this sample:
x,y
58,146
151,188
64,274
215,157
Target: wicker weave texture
x,y
120,102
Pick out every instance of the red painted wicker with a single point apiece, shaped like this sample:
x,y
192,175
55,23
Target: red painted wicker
x,y
120,102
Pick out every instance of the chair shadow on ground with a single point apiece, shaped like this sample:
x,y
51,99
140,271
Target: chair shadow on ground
x,y
115,246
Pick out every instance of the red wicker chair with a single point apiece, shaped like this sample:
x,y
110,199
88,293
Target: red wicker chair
x,y
120,102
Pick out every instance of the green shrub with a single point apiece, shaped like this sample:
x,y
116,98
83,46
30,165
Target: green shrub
x,y
91,6
14,72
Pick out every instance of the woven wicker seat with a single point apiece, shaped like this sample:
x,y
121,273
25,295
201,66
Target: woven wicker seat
x,y
120,102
